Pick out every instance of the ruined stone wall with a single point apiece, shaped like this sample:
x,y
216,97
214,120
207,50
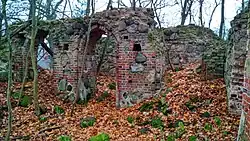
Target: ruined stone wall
x,y
190,44
236,56
138,68
244,127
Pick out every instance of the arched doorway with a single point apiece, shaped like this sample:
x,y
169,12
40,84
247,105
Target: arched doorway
x,y
92,60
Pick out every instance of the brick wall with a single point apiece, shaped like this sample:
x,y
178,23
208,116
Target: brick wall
x,y
244,128
235,61
136,80
135,86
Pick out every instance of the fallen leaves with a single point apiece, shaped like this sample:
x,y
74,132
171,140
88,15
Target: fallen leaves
x,y
182,87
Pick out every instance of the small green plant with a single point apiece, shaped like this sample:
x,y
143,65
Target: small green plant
x,y
180,131
144,130
103,96
130,119
163,106
192,138
208,127
25,101
112,86
169,80
205,114
226,133
146,107
15,95
195,99
43,119
156,122
86,122
177,123
167,91
64,138
115,122
58,110
100,137
217,120
177,69
190,106
171,138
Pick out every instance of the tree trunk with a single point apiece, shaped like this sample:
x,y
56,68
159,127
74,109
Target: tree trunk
x,y
33,57
133,4
211,17
242,5
185,9
109,5
85,46
88,8
9,69
1,22
200,11
183,12
153,6
222,18
118,4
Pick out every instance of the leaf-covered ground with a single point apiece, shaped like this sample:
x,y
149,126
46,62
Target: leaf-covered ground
x,y
188,108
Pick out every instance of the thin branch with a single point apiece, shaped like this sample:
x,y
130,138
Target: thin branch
x,y
211,17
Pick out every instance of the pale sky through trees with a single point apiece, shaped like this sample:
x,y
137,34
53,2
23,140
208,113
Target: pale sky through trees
x,y
172,14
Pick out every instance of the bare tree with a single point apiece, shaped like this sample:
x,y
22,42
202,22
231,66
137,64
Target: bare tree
x,y
33,57
133,4
212,14
222,18
88,8
109,6
1,21
4,2
84,54
185,9
200,12
153,6
242,5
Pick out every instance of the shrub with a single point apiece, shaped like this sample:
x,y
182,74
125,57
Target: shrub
x,y
64,138
86,122
100,137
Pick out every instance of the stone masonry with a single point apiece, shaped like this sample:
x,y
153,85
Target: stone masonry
x,y
136,57
138,67
236,56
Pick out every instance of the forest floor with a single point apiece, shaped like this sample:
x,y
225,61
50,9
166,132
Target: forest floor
x,y
187,109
